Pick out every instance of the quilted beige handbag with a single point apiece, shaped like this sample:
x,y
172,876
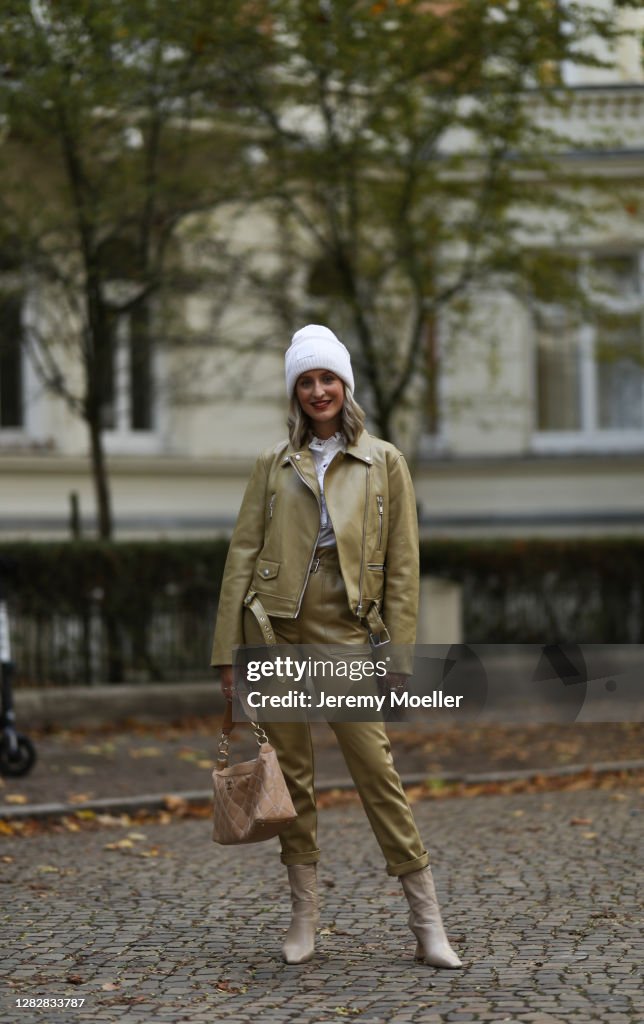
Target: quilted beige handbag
x,y
251,801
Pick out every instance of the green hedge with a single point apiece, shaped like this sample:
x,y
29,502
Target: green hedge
x,y
91,612
60,575
543,591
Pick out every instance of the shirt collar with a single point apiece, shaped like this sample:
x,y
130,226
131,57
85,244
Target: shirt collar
x,y
337,440
360,449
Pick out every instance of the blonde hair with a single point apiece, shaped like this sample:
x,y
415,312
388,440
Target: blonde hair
x,y
300,428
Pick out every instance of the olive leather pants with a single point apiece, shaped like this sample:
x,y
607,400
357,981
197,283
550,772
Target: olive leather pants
x,y
325,619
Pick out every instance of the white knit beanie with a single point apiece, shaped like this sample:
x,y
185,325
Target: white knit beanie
x,y
315,347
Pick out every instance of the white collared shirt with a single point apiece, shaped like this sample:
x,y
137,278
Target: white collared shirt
x,y
324,451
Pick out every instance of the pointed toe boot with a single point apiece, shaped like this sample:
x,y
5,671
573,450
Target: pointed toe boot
x,y
425,920
299,944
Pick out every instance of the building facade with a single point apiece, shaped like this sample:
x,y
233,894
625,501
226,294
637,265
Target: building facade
x,y
539,421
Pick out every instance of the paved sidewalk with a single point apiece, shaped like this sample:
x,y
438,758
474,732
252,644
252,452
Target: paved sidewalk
x,y
540,896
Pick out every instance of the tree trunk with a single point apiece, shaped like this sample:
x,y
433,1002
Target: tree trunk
x,y
114,647
383,419
101,480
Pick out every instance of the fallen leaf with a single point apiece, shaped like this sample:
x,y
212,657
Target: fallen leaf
x,y
79,798
190,755
175,803
113,819
7,860
120,844
16,798
435,784
75,979
80,769
225,986
581,821
109,986
99,748
589,835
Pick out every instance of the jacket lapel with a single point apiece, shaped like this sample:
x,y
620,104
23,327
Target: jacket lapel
x,y
361,448
302,461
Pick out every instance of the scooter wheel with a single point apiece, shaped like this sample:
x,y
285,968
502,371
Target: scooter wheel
x,y
19,761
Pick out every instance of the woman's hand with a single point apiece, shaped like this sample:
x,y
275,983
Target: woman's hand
x,y
396,681
226,673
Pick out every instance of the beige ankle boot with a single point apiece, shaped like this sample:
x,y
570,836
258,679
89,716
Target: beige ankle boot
x,y
425,920
299,944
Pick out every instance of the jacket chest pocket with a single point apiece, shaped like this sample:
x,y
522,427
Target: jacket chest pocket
x,y
380,508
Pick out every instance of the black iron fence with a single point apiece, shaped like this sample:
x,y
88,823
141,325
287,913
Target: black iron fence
x,y
88,613
546,591
84,613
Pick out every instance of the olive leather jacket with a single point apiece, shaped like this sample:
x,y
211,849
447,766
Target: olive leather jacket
x,y
371,502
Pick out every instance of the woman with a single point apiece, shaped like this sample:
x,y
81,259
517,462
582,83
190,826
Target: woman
x,y
325,551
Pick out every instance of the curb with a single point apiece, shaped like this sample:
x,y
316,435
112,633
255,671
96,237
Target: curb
x,y
158,801
115,703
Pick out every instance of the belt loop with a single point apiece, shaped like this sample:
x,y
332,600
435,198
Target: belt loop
x,y
378,632
258,610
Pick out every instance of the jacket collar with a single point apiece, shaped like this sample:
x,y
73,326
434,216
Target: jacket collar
x,y
360,449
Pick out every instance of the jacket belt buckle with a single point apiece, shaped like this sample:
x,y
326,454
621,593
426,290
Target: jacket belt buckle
x,y
376,639
315,565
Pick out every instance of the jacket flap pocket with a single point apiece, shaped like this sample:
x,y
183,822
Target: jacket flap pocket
x,y
267,570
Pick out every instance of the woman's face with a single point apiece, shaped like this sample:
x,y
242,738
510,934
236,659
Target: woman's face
x,y
321,396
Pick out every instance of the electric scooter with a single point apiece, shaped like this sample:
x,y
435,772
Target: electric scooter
x,y
17,752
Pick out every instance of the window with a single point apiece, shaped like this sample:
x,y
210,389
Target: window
x,y
128,385
590,374
129,373
11,370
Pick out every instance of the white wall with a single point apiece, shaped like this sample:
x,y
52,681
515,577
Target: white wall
x,y
487,380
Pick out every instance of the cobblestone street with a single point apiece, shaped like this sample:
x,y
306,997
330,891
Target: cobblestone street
x,y
540,896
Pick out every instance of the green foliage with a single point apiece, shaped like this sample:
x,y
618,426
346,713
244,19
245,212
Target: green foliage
x,y
77,610
546,591
93,611
401,144
47,576
389,133
115,128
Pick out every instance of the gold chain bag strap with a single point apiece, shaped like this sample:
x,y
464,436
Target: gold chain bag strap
x,y
251,801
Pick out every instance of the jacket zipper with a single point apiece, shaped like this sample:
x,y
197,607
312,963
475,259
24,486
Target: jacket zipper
x,y
270,506
364,533
381,511
308,568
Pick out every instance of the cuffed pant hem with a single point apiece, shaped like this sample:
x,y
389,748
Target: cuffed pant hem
x,y
300,858
408,866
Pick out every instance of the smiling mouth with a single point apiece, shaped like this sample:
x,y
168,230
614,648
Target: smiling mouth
x,y
320,405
